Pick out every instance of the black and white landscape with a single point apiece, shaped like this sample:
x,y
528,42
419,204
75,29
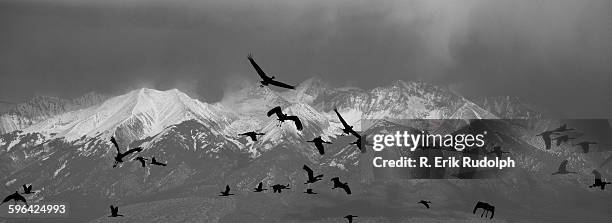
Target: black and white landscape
x,y
170,110
62,147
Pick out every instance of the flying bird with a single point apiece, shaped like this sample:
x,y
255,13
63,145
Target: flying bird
x,y
361,142
259,188
338,184
119,156
585,145
279,188
562,128
546,137
562,139
319,144
27,189
486,208
114,212
309,191
348,129
562,168
142,160
252,135
154,162
311,177
15,197
424,202
598,182
498,151
350,218
226,192
266,80
282,117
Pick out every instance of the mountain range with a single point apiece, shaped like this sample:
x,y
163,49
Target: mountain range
x,y
62,147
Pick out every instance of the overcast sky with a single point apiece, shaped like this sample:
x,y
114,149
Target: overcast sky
x,y
556,52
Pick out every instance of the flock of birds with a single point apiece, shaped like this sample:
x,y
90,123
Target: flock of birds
x,y
281,117
565,138
319,145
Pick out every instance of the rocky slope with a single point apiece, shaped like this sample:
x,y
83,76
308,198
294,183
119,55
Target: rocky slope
x,y
68,157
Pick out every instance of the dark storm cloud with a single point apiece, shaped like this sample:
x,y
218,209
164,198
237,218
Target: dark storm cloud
x,y
537,49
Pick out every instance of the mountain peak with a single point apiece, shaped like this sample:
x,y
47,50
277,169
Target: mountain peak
x,y
136,114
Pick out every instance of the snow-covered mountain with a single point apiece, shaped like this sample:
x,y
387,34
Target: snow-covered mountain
x,y
39,108
66,154
135,115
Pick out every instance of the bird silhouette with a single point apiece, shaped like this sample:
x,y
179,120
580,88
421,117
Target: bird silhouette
x,y
361,142
546,137
226,192
253,135
115,212
486,208
585,145
562,139
338,184
347,129
265,79
142,160
350,218
598,181
424,202
259,188
278,188
154,162
27,189
15,197
319,144
309,191
311,177
282,117
119,157
562,168
498,151
562,128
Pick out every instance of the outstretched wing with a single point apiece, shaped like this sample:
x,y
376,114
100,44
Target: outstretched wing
x,y
336,180
309,171
19,197
227,189
137,149
346,125
597,174
346,188
296,120
280,84
261,73
563,166
476,207
8,198
25,189
112,209
352,132
112,139
276,110
320,148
